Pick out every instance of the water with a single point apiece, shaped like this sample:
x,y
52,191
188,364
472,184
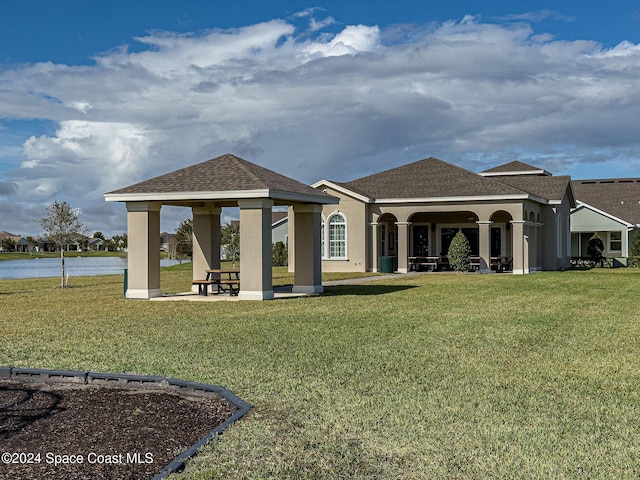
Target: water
x,y
75,266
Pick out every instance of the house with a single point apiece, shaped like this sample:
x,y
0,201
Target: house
x,y
93,244
515,211
168,243
610,208
279,227
20,244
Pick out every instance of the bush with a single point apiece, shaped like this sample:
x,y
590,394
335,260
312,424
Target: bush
x,y
280,254
460,253
595,248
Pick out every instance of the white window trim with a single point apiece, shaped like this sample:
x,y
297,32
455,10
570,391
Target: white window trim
x,y
611,250
327,242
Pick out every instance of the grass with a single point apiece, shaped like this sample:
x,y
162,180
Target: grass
x,y
433,376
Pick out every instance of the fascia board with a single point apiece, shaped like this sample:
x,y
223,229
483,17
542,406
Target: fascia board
x,y
224,195
582,205
342,189
174,196
523,172
481,198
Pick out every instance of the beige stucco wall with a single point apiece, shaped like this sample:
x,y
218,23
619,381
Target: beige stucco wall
x,y
143,258
353,211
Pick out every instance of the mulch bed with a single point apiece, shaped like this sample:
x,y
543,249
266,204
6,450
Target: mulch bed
x,y
118,433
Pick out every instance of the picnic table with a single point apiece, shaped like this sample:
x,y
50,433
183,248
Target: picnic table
x,y
418,263
225,279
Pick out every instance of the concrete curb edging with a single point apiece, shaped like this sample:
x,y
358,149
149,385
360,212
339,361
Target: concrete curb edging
x,y
140,381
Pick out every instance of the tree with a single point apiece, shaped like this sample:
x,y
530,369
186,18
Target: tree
x,y
99,235
635,245
460,253
230,241
184,238
7,245
62,225
280,254
595,248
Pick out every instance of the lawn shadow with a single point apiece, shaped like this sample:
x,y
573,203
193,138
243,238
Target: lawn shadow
x,y
365,290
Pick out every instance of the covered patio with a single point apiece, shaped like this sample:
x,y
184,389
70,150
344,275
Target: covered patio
x,y
207,187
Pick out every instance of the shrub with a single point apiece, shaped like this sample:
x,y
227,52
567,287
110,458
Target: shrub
x,y
460,253
595,248
280,254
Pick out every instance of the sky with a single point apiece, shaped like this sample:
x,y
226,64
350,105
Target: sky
x,y
96,95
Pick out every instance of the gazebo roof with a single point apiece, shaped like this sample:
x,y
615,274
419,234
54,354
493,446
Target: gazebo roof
x,y
222,178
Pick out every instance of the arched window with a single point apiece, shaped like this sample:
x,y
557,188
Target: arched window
x,y
337,236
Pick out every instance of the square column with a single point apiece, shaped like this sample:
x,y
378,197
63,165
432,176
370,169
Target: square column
x,y
403,246
375,245
484,237
206,240
143,232
255,249
308,254
520,248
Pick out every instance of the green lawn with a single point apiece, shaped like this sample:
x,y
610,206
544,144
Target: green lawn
x,y
433,376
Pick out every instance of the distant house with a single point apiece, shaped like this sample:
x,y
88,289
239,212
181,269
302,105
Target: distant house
x,y
610,208
279,227
168,243
20,244
94,244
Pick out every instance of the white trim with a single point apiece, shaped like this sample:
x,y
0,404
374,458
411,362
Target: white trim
x,y
143,293
602,212
342,189
480,198
255,295
327,236
521,172
221,195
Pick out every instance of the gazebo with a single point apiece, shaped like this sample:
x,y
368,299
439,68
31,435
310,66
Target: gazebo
x,y
225,181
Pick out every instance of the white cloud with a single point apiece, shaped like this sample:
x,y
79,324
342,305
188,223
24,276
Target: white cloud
x,y
313,105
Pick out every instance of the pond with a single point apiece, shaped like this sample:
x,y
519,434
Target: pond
x,y
76,267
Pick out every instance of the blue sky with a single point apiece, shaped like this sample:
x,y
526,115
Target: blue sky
x,y
97,95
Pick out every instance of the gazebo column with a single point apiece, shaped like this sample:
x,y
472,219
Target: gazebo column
x,y
484,237
308,254
403,246
255,249
206,240
143,227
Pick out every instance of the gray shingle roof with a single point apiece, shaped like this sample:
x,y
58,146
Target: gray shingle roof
x,y
543,186
428,178
515,166
619,197
226,173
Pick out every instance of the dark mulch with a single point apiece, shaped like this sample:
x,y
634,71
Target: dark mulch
x,y
119,433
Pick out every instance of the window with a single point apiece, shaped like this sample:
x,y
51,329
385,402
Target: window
x,y
337,236
322,238
615,241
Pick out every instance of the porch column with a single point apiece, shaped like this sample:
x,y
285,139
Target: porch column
x,y
484,237
143,258
255,249
403,246
308,255
520,253
375,245
206,240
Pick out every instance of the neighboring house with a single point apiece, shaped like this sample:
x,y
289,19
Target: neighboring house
x,y
514,211
168,243
279,227
20,244
610,208
94,244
